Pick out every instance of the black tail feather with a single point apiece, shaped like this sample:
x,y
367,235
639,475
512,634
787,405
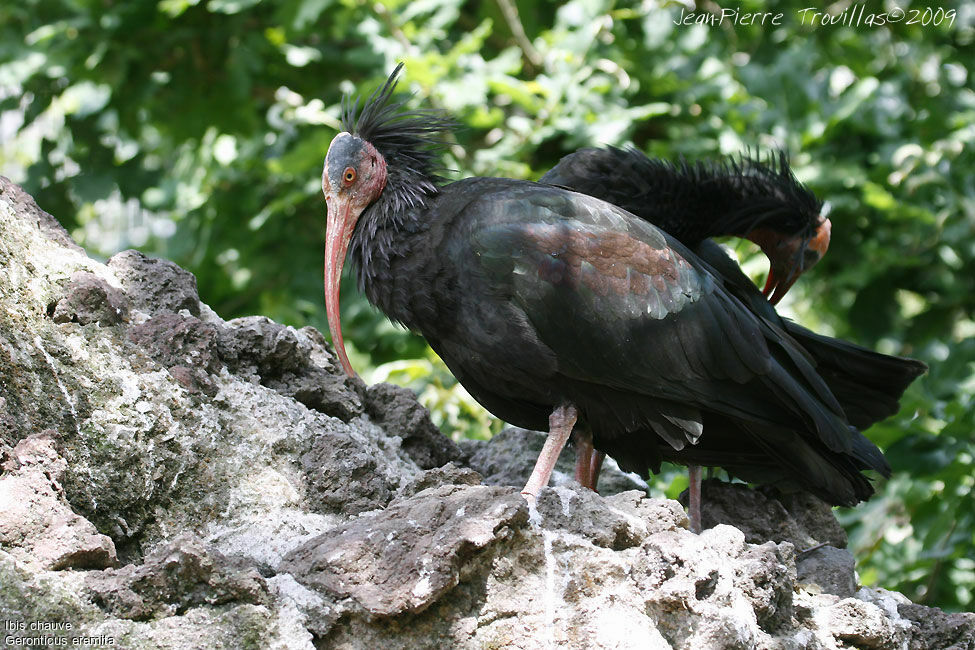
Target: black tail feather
x,y
868,384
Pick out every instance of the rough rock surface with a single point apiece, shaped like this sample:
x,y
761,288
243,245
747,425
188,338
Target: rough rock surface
x,y
37,524
179,575
172,480
766,514
295,363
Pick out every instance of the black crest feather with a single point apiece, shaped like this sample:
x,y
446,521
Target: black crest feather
x,y
696,200
411,141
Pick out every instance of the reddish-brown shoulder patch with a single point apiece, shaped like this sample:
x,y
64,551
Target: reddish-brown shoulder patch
x,y
606,262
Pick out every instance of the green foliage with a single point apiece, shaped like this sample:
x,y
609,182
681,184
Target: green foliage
x,y
195,129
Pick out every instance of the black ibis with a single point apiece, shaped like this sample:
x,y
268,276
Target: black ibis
x,y
761,201
557,310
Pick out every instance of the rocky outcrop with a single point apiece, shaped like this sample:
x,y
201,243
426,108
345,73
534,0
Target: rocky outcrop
x,y
169,479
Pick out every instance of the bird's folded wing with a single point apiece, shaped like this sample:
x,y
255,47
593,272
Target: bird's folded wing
x,y
619,302
623,305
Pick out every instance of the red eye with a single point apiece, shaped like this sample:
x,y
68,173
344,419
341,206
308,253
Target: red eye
x,y
349,175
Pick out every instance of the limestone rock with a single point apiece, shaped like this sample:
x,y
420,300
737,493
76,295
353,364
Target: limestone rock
x,y
933,629
860,623
831,568
343,477
154,285
180,575
767,514
407,556
184,345
295,363
21,205
89,299
449,474
396,410
627,518
37,524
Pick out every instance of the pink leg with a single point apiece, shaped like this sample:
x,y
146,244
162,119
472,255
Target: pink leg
x,y
694,497
595,466
585,455
560,425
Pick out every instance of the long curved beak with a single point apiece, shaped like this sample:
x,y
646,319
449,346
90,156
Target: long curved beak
x,y
778,284
340,223
788,260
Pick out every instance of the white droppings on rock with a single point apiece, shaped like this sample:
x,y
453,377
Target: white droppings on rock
x,y
69,401
888,602
565,498
423,588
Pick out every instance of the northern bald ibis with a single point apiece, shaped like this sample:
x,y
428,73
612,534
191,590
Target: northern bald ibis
x,y
557,310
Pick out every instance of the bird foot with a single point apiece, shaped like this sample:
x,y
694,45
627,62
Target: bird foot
x,y
532,499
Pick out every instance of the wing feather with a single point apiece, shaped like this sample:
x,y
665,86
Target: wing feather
x,y
623,307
